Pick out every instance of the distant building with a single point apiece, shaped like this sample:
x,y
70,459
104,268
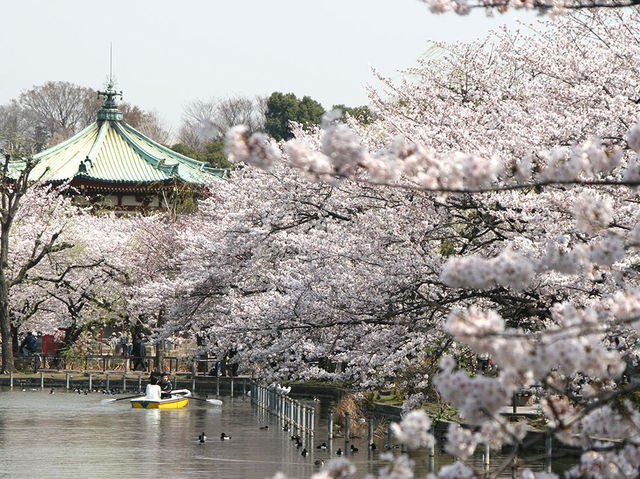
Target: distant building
x,y
115,167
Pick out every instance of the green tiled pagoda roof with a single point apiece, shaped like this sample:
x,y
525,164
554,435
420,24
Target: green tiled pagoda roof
x,y
110,151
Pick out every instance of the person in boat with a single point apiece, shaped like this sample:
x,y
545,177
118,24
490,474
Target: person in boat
x,y
153,391
165,386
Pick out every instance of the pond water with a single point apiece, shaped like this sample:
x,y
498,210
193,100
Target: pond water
x,y
75,435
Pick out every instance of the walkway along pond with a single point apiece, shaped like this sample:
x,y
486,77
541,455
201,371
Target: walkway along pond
x,y
68,432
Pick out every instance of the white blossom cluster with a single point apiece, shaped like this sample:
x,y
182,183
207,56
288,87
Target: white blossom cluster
x,y
476,398
524,360
625,305
457,470
515,270
461,442
414,430
606,465
586,160
337,468
633,138
561,257
634,236
509,269
604,428
342,153
341,145
592,212
257,149
400,467
496,434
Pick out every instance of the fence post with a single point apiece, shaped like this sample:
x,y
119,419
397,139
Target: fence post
x,y
305,416
486,460
41,380
370,435
547,450
330,424
432,458
124,382
347,427
193,375
11,379
67,380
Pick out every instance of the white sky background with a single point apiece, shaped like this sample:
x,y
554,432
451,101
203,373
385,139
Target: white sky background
x,y
168,52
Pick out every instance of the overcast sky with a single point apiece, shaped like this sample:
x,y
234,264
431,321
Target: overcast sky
x,y
168,52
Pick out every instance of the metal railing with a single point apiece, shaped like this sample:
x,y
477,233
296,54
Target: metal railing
x,y
106,362
297,416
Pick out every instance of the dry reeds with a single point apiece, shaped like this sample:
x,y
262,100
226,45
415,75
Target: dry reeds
x,y
358,424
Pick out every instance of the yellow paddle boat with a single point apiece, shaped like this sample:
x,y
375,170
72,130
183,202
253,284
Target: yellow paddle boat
x,y
152,399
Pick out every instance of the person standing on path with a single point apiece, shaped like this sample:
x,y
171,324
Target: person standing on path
x,y
139,354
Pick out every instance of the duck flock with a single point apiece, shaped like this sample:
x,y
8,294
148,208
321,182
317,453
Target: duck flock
x,y
298,443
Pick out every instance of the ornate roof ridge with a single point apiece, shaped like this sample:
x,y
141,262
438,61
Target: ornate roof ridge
x,y
156,162
63,144
179,156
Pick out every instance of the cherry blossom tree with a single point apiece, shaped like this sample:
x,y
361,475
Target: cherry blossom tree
x,y
523,153
60,266
490,209
81,288
553,8
19,254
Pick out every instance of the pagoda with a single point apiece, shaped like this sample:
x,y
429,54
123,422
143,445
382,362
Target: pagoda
x,y
113,166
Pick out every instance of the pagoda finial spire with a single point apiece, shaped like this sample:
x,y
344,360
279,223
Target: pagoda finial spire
x,y
109,110
110,62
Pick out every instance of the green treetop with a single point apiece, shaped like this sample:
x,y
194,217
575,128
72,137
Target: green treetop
x,y
283,108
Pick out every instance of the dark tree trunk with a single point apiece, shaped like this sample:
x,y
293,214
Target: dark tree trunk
x,y
5,320
14,338
71,335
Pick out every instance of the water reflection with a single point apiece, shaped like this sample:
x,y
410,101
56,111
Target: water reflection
x,y
71,435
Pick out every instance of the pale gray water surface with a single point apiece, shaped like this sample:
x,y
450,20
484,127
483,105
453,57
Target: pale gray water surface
x,y
75,435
